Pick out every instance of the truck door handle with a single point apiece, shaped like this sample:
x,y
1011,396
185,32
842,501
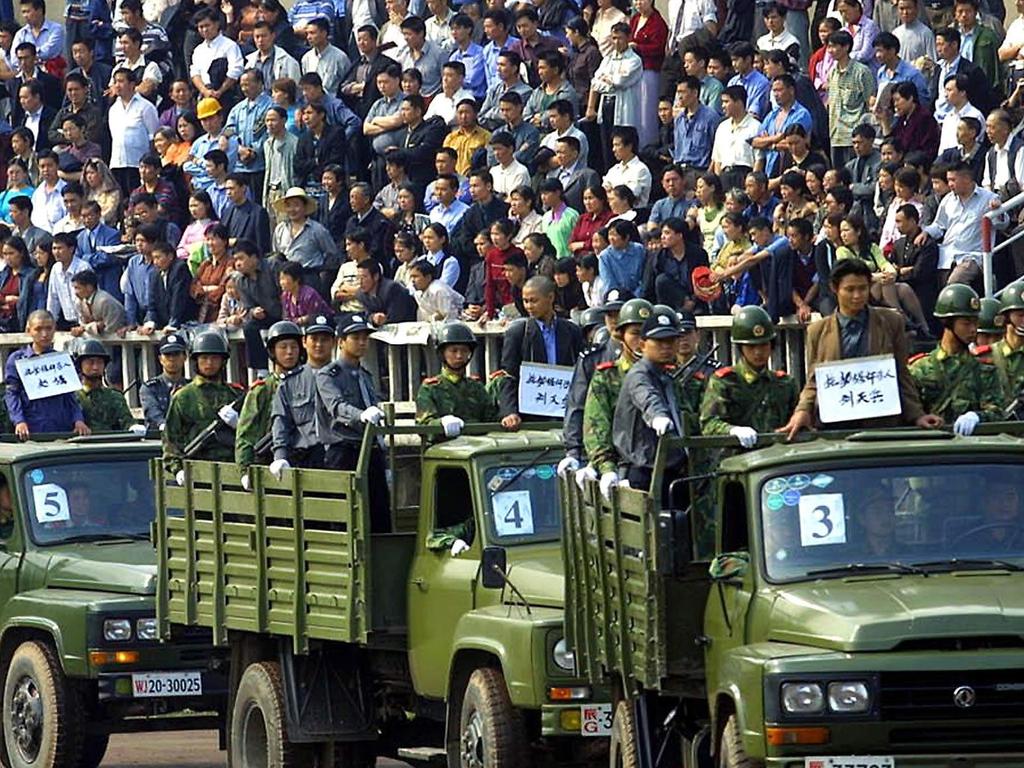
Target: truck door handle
x,y
420,582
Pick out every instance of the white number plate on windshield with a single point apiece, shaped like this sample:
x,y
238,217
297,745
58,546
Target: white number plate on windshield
x,y
147,685
865,761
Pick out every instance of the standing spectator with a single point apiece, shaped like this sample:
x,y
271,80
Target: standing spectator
x,y
532,45
916,38
913,127
863,168
778,38
47,36
300,238
170,304
58,413
649,36
30,70
630,169
584,58
497,290
419,140
279,151
470,54
148,76
468,137
247,123
320,145
35,116
366,217
93,236
132,120
551,89
732,154
959,108
486,209
47,200
421,54
333,209
242,218
271,60
60,297
695,128
137,274
755,83
95,69
18,278
1003,168
915,264
359,89
572,172
978,43
438,24
260,297
217,61
787,112
861,28
559,219
506,80
895,69
615,94
329,62
851,85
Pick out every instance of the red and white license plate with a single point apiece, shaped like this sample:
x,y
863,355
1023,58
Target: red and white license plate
x,y
854,761
149,685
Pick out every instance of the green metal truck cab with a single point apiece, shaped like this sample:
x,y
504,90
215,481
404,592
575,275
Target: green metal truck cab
x,y
78,634
386,644
863,605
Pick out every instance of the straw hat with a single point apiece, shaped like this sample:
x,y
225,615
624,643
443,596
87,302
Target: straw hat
x,y
207,107
295,193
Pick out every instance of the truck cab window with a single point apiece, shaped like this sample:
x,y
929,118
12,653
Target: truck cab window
x,y
6,510
734,518
453,498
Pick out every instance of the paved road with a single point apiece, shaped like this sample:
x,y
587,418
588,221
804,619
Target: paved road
x,y
182,750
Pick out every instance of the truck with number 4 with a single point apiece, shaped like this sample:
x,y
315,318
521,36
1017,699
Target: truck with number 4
x,y
849,600
442,640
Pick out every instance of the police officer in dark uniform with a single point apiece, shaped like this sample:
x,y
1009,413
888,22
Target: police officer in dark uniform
x,y
155,394
297,438
346,403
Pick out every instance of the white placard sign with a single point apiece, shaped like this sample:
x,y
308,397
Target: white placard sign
x,y
822,519
51,503
860,388
47,375
543,389
513,513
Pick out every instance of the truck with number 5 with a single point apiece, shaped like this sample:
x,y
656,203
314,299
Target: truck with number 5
x,y
442,640
845,601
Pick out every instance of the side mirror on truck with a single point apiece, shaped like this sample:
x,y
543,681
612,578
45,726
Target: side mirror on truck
x,y
675,544
493,566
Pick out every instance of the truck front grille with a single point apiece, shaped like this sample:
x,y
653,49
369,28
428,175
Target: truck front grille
x,y
966,695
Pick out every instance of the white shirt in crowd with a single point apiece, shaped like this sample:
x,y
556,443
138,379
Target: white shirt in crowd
x,y
507,178
947,135
634,175
219,48
732,142
131,127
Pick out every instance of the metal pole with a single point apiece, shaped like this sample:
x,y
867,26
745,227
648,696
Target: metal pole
x,y
986,255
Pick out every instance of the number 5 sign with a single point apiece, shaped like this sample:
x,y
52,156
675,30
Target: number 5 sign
x,y
51,503
822,519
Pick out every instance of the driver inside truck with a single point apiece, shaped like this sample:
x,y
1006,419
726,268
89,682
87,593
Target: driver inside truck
x,y
1002,526
876,523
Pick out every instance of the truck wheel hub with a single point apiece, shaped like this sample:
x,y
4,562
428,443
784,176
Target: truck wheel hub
x,y
27,718
473,742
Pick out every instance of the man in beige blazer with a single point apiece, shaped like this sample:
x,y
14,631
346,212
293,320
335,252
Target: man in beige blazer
x,y
857,330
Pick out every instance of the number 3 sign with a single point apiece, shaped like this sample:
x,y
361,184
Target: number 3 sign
x,y
822,519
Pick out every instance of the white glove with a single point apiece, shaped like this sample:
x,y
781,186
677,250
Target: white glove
x,y
246,482
661,425
139,430
452,425
746,435
228,415
567,465
278,466
179,477
609,480
585,474
965,423
458,547
372,415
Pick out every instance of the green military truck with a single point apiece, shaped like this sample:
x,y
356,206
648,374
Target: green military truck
x,y
78,634
343,645
857,601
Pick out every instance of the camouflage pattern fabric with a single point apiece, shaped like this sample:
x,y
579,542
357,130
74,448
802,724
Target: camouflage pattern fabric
x,y
105,410
193,408
952,385
739,396
254,419
599,412
1010,364
451,395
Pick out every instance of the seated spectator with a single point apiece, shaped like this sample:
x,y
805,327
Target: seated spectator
x,y
468,137
540,255
100,186
384,300
857,244
366,217
208,286
559,219
969,147
72,195
232,312
407,217
912,126
522,210
905,185
436,247
201,213
452,93
300,238
407,250
596,214
93,240
260,296
182,101
151,183
497,291
630,169
622,262
285,94
668,276
186,130
436,299
333,208
795,202
588,273
244,219
170,304
449,210
916,266
147,211
17,185
75,149
17,278
568,291
98,311
47,199
300,302
621,201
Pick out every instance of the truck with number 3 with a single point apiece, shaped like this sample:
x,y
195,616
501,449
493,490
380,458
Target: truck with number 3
x,y
442,640
850,600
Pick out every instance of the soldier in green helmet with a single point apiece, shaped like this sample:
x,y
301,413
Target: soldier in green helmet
x,y
747,398
453,397
104,409
284,349
951,381
603,394
1008,354
205,401
591,319
990,325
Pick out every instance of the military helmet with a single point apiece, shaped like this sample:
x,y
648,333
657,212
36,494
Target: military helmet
x,y
957,300
455,333
752,325
282,329
661,327
209,343
591,317
1012,296
172,344
601,336
634,311
91,348
990,318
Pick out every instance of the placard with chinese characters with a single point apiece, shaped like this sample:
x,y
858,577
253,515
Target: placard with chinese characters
x,y
543,389
47,375
861,388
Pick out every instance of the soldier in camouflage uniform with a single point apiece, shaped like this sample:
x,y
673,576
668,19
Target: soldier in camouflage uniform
x,y
284,348
990,323
205,401
104,409
603,393
746,398
452,398
155,394
1008,354
952,382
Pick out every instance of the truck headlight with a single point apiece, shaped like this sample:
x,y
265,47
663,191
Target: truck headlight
x,y
803,698
145,629
117,629
563,657
850,697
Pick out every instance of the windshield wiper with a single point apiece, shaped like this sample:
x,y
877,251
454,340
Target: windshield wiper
x,y
108,537
531,465
971,563
868,568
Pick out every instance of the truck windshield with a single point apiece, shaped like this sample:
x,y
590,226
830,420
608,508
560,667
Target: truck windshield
x,y
523,503
903,519
88,501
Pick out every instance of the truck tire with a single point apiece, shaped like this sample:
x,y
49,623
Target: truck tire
x,y
731,753
622,749
491,732
259,738
42,719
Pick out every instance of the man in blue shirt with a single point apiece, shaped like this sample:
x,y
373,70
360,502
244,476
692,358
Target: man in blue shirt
x,y
695,128
470,54
449,210
893,69
137,273
246,122
211,117
496,25
58,413
757,85
772,137
95,234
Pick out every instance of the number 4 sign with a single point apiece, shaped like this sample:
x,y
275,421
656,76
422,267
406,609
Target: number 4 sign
x,y
822,519
513,514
